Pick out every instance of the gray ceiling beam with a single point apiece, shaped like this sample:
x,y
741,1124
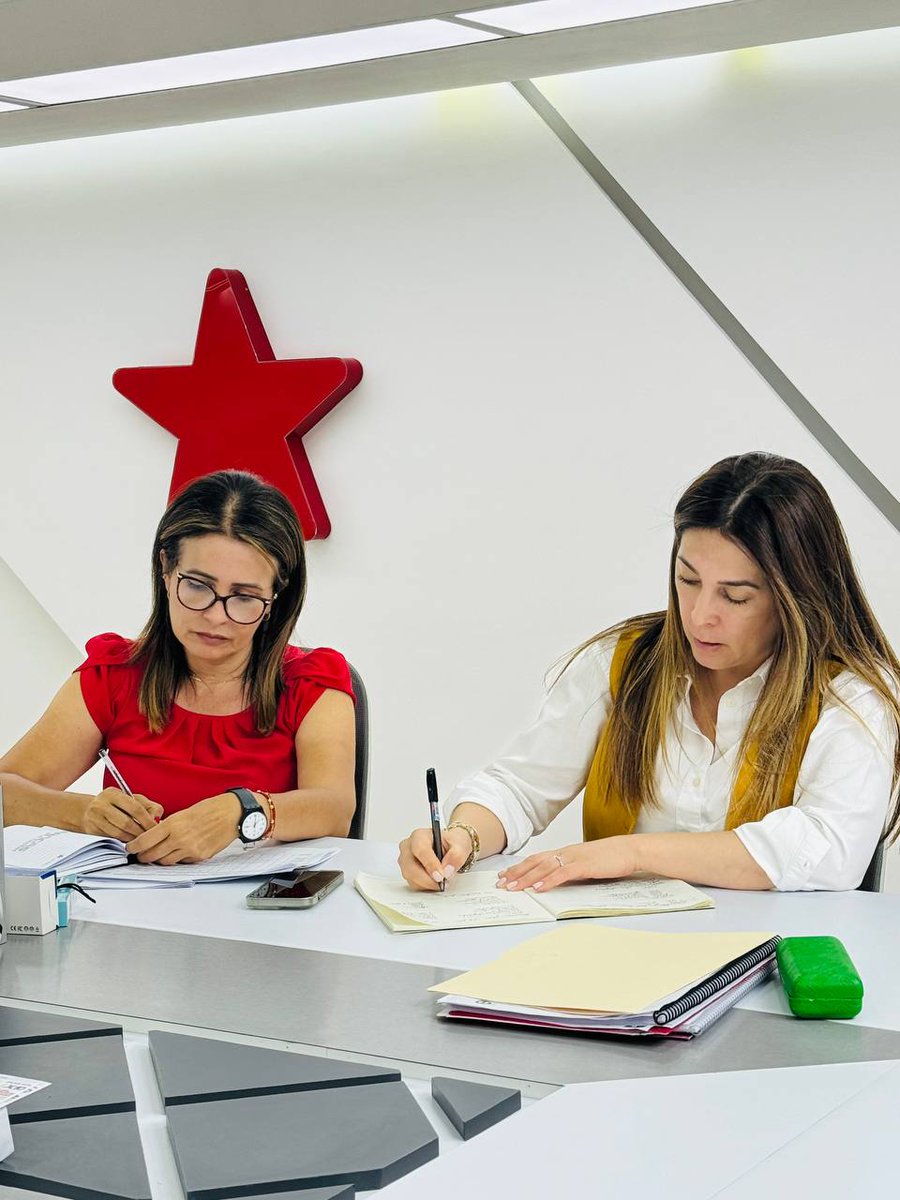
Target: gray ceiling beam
x,y
728,26
45,37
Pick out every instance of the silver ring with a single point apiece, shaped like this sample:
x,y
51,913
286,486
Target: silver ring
x,y
559,861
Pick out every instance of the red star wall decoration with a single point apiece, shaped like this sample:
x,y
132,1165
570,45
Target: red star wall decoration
x,y
237,406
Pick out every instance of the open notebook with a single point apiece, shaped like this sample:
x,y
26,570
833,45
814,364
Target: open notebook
x,y
473,900
104,861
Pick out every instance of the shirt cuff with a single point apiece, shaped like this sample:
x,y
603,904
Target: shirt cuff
x,y
788,846
481,789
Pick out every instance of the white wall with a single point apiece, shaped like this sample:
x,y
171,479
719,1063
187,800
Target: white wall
x,y
538,388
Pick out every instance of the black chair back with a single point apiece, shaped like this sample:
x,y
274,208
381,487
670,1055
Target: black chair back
x,y
361,774
871,881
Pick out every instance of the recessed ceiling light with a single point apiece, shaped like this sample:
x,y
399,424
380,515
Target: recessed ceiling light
x,y
245,62
544,15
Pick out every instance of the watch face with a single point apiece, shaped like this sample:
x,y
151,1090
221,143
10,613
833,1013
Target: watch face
x,y
253,826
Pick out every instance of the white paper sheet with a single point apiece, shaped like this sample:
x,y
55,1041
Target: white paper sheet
x,y
234,862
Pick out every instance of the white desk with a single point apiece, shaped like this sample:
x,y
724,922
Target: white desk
x,y
335,981
808,1131
867,924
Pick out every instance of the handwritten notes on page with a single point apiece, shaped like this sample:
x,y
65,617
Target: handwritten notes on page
x,y
475,900
469,901
623,897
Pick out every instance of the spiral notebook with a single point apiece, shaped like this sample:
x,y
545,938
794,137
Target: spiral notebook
x,y
613,981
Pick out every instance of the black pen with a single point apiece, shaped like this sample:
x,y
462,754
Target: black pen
x,y
431,788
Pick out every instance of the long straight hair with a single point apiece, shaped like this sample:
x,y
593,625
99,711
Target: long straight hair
x,y
780,514
238,505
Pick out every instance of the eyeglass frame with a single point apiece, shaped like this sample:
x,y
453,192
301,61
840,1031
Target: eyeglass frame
x,y
223,599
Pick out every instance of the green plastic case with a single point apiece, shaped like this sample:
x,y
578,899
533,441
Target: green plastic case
x,y
819,977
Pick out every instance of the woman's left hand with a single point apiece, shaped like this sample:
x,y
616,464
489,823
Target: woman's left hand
x,y
192,835
608,858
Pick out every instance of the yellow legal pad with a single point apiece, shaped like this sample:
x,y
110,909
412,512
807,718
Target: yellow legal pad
x,y
600,969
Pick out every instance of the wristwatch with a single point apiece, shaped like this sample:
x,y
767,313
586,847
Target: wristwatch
x,y
253,821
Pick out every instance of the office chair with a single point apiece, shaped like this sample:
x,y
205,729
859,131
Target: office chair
x,y
872,880
361,772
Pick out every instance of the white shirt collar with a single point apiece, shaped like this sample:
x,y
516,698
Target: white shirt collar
x,y
753,684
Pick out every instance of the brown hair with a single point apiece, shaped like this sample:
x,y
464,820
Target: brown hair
x,y
242,506
780,514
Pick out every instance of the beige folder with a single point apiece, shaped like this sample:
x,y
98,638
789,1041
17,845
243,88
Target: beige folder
x,y
600,969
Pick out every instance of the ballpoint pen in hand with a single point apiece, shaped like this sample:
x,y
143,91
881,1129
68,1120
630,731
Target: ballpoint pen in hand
x,y
114,771
437,840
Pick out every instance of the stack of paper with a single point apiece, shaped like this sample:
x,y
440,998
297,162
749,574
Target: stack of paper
x,y
104,861
236,861
34,850
599,980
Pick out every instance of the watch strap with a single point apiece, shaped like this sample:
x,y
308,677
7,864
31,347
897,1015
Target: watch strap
x,y
249,804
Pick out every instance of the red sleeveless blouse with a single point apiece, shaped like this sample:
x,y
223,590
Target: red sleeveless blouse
x,y
197,756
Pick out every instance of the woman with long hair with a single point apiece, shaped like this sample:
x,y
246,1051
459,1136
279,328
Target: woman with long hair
x,y
219,728
746,737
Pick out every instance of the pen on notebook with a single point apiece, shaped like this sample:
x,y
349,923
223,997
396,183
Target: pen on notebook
x,y
114,771
437,840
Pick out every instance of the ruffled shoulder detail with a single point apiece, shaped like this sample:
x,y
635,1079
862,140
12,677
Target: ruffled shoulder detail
x,y
323,667
106,650
109,683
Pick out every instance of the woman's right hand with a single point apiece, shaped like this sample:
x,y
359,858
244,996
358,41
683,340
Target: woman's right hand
x,y
115,814
419,865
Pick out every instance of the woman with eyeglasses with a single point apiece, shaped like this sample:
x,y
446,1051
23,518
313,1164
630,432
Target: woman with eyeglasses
x,y
217,728
744,737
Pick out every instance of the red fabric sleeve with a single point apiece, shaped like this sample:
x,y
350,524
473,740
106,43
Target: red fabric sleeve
x,y
307,674
106,677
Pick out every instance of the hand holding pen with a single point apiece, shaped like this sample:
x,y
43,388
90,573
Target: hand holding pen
x,y
431,855
117,812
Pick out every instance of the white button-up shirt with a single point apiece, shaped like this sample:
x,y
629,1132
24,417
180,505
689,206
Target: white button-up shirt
x,y
825,840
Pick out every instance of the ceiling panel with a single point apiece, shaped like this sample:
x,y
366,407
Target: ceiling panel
x,y
39,37
672,34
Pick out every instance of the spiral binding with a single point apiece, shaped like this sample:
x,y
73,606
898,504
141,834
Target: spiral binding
x,y
709,1015
715,982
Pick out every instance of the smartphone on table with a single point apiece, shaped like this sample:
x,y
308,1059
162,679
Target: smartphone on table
x,y
304,890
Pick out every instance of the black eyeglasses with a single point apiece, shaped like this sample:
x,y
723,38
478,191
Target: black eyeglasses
x,y
240,607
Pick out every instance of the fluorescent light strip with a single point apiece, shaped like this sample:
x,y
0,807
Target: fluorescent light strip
x,y
7,102
245,62
543,15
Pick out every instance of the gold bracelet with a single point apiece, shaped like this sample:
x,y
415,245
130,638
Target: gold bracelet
x,y
270,829
474,839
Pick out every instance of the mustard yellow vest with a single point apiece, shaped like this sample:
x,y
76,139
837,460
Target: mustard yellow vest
x,y
605,814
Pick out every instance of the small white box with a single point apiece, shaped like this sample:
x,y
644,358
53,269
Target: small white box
x,y
31,903
6,1142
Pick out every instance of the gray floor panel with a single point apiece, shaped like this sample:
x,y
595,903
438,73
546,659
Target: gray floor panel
x,y
190,1069
367,1136
86,1076
474,1107
83,1158
22,1025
